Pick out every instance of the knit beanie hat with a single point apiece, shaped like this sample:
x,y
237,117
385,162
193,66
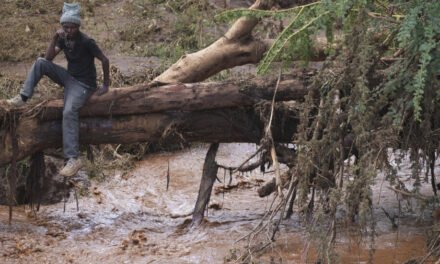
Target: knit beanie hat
x,y
70,14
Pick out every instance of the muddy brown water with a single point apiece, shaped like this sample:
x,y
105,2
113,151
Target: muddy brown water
x,y
132,218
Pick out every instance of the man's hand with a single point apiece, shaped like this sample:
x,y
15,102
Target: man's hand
x,y
102,90
60,34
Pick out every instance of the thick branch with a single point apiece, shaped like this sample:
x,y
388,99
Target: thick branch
x,y
222,54
236,47
242,28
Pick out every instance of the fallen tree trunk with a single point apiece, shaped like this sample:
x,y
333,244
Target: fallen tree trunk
x,y
223,125
126,115
141,99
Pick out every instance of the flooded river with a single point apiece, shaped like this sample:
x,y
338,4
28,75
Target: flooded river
x,y
132,218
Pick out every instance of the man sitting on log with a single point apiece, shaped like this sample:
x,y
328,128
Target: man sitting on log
x,y
79,80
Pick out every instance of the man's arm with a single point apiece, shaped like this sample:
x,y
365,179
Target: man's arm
x,y
106,71
52,50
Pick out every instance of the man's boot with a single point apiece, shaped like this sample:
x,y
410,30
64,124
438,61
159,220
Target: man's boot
x,y
16,101
73,165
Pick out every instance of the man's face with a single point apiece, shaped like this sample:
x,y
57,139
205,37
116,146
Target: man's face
x,y
70,29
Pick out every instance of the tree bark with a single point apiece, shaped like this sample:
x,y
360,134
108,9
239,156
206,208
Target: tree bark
x,y
145,98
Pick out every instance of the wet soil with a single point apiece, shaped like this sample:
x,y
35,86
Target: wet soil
x,y
133,218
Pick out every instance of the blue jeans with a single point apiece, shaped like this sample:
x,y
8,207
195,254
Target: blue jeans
x,y
76,95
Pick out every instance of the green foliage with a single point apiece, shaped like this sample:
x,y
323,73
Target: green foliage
x,y
380,87
418,36
400,106
294,36
291,34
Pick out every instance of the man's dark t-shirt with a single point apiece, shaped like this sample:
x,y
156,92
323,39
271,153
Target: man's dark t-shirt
x,y
81,58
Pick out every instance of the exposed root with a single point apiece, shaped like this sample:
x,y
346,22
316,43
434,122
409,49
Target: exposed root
x,y
10,123
33,180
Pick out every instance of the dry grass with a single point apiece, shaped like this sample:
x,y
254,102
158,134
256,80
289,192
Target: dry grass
x,y
166,29
27,25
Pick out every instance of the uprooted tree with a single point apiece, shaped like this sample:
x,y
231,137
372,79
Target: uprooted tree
x,y
375,95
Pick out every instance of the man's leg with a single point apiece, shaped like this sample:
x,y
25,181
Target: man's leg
x,y
75,96
41,67
44,67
